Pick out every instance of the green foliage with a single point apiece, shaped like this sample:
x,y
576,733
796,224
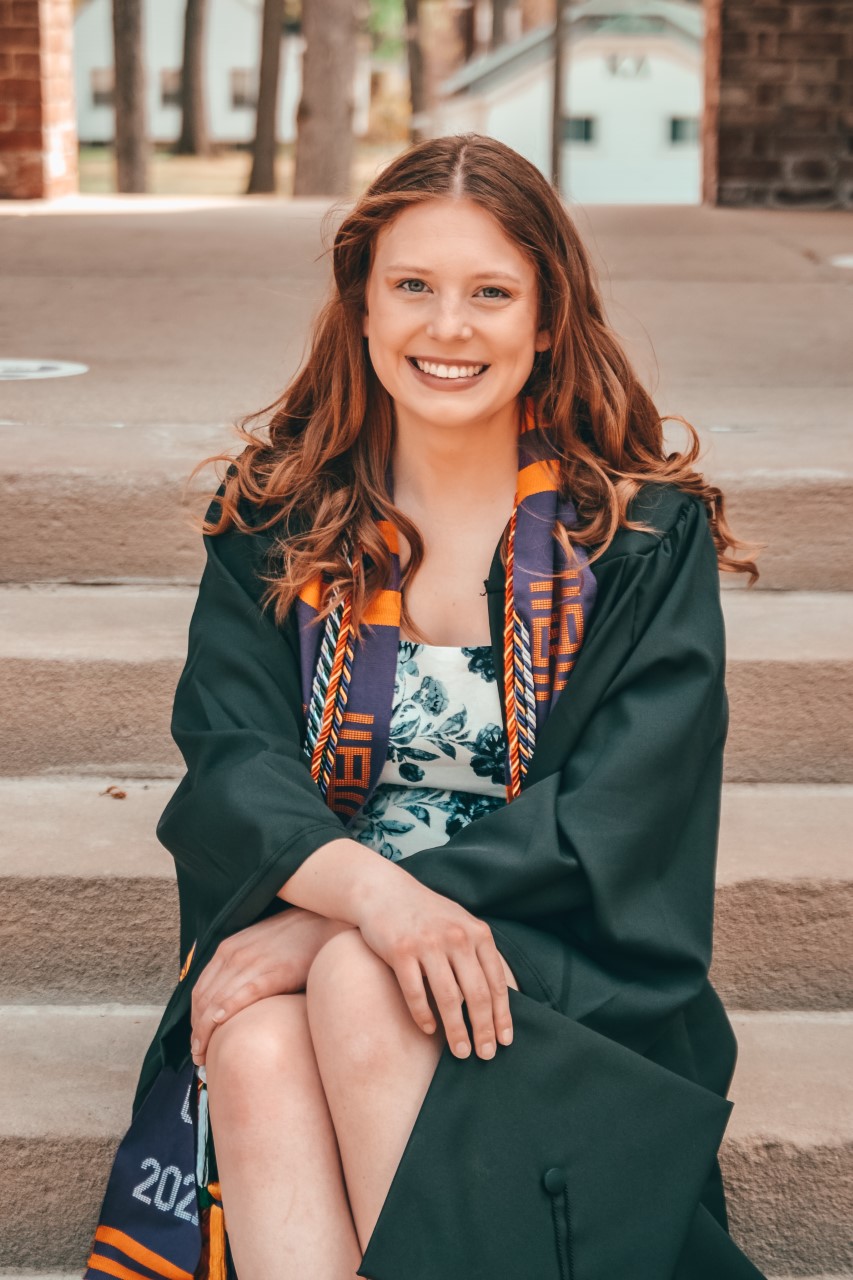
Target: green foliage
x,y
292,15
386,23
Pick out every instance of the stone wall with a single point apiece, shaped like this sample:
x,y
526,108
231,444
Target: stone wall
x,y
38,134
779,104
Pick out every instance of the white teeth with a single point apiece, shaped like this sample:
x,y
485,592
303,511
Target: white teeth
x,y
450,370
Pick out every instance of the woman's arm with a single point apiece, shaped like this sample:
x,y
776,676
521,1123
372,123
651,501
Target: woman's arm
x,y
617,848
247,825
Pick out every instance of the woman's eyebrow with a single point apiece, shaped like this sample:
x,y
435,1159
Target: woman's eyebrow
x,y
480,275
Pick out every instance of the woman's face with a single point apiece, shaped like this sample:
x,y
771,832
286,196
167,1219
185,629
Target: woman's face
x,y
451,311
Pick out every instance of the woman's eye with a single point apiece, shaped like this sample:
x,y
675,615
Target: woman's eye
x,y
491,290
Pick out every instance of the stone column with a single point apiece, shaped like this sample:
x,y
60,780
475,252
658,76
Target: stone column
x,y
38,129
778,127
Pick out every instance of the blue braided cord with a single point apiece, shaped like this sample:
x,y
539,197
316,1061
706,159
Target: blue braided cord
x,y
319,688
523,681
527,654
518,686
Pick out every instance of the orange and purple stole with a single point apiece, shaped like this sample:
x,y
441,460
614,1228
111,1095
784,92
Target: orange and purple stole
x,y
348,683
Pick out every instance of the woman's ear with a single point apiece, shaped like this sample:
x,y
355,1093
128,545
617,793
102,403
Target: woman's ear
x,y
543,340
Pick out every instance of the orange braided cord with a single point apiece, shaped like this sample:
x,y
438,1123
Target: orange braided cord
x,y
340,706
332,691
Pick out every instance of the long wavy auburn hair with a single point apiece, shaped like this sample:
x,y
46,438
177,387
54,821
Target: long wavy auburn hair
x,y
318,463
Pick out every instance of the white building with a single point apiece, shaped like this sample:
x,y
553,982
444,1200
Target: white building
x,y
232,46
632,98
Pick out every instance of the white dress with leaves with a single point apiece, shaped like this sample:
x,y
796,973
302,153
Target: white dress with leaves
x,y
446,750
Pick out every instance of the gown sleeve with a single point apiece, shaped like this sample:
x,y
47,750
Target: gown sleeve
x,y
615,850
246,813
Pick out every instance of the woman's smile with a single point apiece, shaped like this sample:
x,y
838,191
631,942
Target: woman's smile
x,y
447,375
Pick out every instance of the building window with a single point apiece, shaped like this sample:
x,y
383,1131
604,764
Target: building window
x,y
102,82
629,67
244,90
579,129
170,88
683,129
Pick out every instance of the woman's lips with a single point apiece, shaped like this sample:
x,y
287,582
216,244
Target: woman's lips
x,y
446,384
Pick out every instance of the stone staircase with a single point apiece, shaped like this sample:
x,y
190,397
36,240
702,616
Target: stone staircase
x,y
96,586
86,678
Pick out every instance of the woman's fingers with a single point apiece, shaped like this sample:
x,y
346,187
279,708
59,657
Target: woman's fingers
x,y
448,1001
482,986
411,980
497,973
220,1009
423,935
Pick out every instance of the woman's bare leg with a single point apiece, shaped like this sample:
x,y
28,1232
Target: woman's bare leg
x,y
375,1063
283,1192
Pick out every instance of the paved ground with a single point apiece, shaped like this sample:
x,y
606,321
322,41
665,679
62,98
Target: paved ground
x,y
191,312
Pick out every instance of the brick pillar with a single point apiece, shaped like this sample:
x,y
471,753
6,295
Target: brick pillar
x,y
778,127
38,128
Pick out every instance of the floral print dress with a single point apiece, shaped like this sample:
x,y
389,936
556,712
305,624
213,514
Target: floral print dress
x,y
446,751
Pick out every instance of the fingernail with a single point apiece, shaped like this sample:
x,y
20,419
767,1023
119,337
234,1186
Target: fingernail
x,y
196,1046
487,1050
463,1049
219,1015
506,1035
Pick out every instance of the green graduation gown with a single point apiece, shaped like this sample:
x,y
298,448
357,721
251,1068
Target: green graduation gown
x,y
586,1150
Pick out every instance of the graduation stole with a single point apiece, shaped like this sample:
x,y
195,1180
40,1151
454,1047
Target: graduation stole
x,y
162,1216
348,684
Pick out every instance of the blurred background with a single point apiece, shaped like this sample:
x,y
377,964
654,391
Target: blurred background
x,y
617,101
148,302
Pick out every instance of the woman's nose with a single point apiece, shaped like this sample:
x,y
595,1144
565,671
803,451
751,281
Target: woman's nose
x,y
448,322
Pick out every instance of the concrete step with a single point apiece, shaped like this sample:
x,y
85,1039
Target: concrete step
x,y
87,676
109,504
787,1156
783,935
69,1075
784,906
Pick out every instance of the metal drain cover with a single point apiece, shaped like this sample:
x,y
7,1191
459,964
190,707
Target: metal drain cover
x,y
20,370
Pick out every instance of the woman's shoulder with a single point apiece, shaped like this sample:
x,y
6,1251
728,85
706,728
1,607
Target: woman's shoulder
x,y
668,510
246,551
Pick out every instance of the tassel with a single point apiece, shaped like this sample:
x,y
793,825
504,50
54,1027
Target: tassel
x,y
213,1263
201,1166
217,1265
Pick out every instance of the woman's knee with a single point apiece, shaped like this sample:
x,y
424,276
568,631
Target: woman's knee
x,y
354,1003
265,1038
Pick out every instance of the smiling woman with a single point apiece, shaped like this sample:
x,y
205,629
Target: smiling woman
x,y
459,327
453,718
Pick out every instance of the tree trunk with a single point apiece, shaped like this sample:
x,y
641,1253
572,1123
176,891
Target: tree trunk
x,y
467,19
131,141
417,81
194,139
262,178
557,102
499,8
324,142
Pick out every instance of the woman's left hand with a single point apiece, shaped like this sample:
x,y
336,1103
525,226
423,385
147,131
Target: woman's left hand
x,y
269,958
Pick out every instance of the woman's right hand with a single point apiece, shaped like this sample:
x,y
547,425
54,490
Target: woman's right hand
x,y
421,934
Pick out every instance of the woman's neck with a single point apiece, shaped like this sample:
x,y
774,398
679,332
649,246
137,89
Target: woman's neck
x,y
436,468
